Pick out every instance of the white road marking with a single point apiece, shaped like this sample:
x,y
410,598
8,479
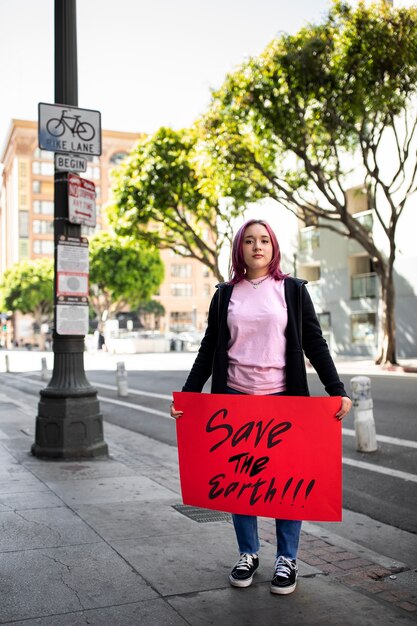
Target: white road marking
x,y
40,383
388,471
135,392
136,407
406,443
130,405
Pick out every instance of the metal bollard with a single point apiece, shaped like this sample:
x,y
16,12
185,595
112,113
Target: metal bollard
x,y
44,369
363,414
6,360
121,380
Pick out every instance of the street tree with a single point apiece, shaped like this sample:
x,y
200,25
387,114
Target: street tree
x,y
123,273
166,194
150,313
28,287
295,122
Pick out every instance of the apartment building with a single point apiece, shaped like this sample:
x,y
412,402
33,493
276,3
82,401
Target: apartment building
x,y
345,288
26,222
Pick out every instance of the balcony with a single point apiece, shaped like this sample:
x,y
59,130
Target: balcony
x,y
364,286
366,219
309,239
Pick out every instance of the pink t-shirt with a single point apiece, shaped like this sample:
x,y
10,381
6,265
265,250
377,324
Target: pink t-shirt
x,y
257,319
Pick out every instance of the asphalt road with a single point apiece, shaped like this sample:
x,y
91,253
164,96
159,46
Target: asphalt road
x,y
388,497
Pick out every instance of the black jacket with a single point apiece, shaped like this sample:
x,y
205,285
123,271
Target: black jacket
x,y
303,335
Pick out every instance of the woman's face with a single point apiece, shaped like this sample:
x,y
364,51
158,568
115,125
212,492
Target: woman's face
x,y
257,251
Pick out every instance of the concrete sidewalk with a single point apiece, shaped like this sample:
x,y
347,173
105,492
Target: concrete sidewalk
x,y
100,543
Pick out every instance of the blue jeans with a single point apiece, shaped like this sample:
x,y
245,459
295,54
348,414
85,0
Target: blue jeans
x,y
246,527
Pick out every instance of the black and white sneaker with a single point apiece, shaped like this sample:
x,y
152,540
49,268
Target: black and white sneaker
x,y
242,573
285,576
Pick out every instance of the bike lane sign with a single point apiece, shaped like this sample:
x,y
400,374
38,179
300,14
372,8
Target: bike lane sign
x,y
66,129
70,162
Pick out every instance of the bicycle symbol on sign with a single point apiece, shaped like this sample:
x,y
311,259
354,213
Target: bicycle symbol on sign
x,y
56,127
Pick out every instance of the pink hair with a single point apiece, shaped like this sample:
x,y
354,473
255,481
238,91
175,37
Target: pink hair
x,y
238,268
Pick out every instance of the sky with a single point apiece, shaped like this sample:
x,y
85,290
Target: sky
x,y
142,63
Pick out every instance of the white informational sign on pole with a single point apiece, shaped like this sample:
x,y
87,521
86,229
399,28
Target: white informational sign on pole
x,y
81,201
72,286
68,129
72,255
72,316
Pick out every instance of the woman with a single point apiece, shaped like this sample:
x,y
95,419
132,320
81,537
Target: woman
x,y
260,325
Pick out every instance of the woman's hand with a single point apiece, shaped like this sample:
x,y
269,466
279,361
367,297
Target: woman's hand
x,y
345,408
175,414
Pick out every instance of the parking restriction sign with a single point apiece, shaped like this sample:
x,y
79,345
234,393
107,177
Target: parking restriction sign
x,y
81,201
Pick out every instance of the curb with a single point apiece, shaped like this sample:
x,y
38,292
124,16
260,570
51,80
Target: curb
x,y
350,564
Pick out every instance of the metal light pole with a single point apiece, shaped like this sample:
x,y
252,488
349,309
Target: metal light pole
x,y
69,423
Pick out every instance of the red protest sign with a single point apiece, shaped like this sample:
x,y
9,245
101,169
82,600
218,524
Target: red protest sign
x,y
273,456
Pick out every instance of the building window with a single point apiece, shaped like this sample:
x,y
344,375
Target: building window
x,y
118,157
184,290
23,249
309,239
326,325
206,271
43,154
364,286
366,219
180,320
206,290
364,281
325,321
23,184
363,329
44,169
23,224
36,186
43,246
181,270
93,173
43,207
312,274
43,227
89,231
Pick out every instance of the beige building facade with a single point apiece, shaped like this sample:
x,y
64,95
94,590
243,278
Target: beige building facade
x,y
27,212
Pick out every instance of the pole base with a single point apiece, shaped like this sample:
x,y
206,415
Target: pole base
x,y
69,428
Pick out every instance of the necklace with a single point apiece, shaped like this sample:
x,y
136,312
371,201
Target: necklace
x,y
254,284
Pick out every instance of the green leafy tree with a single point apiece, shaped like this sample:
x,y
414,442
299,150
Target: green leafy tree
x,y
166,194
28,287
150,313
123,273
295,122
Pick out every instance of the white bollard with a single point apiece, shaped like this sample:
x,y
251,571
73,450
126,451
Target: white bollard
x,y
121,380
6,359
363,414
44,369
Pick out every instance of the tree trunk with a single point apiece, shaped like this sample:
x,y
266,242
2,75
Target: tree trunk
x,y
217,273
39,337
387,354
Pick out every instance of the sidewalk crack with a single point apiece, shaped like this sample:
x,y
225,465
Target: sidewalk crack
x,y
62,576
30,521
